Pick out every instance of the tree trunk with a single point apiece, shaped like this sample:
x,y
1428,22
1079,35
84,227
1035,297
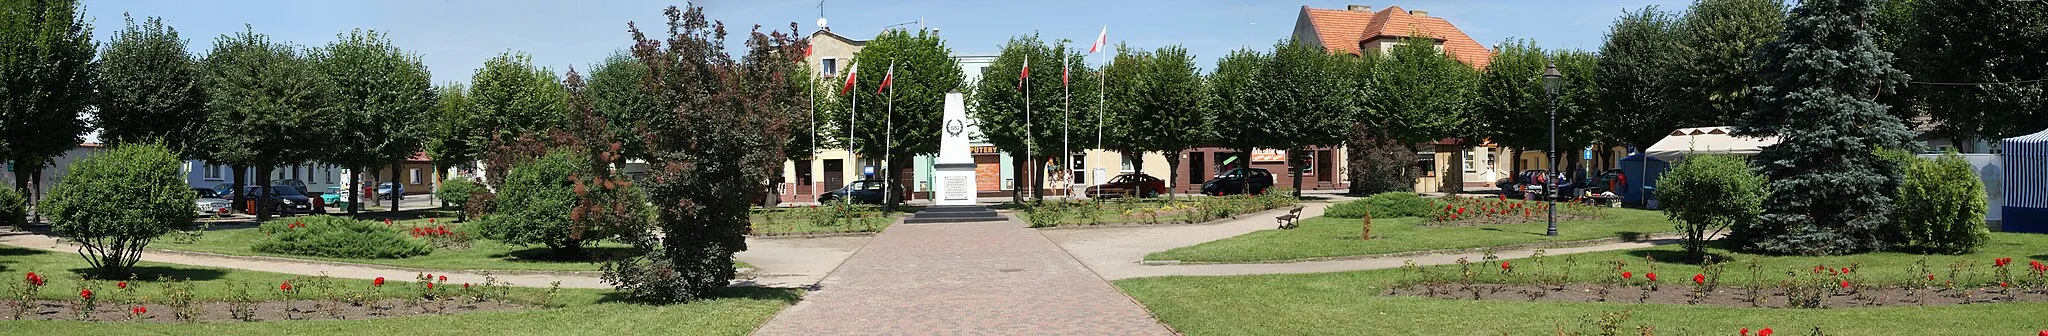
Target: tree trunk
x,y
241,189
21,177
1294,165
396,195
263,182
894,177
1038,178
35,194
355,190
1016,176
1172,173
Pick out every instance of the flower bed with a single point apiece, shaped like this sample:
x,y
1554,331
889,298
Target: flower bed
x,y
830,218
1470,211
1823,286
297,298
1148,212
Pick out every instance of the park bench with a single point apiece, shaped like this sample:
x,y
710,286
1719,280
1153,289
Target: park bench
x,y
1290,220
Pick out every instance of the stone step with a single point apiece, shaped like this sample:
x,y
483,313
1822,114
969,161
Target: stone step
x,y
931,220
983,213
953,208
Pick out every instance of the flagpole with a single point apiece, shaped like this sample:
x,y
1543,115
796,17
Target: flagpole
x,y
1067,110
1030,136
889,137
1101,96
854,80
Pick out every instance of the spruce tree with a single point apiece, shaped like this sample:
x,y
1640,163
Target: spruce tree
x,y
1830,176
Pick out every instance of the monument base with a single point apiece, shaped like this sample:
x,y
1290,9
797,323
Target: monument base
x,y
956,184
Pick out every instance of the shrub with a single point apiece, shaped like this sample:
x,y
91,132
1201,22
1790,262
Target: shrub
x,y
1384,205
457,191
13,209
538,204
1940,207
115,202
1710,192
337,237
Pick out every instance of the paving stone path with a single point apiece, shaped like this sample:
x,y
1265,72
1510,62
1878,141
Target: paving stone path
x,y
972,278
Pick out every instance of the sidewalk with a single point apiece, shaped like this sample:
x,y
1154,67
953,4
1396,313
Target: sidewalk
x,y
971,278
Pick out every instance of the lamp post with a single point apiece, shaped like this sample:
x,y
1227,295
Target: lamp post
x,y
1551,79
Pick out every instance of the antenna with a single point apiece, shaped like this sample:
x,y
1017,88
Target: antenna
x,y
821,15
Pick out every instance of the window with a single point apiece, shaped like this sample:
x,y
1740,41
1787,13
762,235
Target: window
x,y
1427,162
1080,168
831,67
1128,166
1468,161
1490,160
330,174
212,171
415,172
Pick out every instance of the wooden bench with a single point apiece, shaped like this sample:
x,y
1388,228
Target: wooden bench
x,y
1290,220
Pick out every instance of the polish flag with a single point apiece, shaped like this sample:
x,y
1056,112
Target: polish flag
x,y
1065,68
887,78
851,70
1024,73
1100,39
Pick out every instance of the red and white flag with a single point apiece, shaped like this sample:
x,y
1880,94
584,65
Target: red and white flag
x,y
1100,39
1066,68
807,49
887,78
851,70
1024,73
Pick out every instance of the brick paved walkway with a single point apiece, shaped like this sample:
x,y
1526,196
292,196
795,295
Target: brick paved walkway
x,y
975,278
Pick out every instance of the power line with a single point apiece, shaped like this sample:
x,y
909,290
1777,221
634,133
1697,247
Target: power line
x,y
1976,84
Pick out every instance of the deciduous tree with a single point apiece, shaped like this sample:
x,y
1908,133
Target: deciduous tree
x,y
1301,100
1172,112
149,89
1717,73
924,72
1988,55
513,98
267,105
1634,78
115,202
379,93
47,50
1000,113
1424,95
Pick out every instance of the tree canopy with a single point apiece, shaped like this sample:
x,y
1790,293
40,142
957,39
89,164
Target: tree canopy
x,y
1633,78
149,89
268,105
47,50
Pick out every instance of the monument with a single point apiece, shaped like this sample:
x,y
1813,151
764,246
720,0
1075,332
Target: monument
x,y
954,168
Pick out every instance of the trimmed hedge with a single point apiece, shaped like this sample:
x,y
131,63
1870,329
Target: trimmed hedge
x,y
337,237
13,209
1384,205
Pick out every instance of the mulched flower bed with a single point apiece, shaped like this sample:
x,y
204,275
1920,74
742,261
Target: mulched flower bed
x,y
1473,211
1852,297
292,310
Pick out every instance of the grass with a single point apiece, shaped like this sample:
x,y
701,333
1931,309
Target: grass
x,y
584,311
1323,237
797,221
1350,303
482,254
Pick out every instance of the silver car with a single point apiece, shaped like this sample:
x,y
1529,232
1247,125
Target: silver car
x,y
207,205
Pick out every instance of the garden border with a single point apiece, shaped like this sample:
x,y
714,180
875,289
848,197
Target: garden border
x,y
1646,237
1211,222
383,267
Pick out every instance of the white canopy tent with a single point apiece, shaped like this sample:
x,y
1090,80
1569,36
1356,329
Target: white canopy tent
x,y
1706,140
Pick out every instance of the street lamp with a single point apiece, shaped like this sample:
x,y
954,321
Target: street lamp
x,y
1551,80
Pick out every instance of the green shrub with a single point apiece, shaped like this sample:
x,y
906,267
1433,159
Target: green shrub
x,y
1940,207
115,202
1710,192
1384,205
337,237
13,209
538,204
457,191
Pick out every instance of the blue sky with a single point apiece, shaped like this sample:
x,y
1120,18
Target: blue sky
x,y
454,37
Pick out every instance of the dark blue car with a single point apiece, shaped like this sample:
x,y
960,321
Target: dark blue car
x,y
862,191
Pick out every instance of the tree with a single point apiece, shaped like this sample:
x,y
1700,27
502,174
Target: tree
x,y
267,105
1706,194
47,51
1123,102
1000,110
1510,105
379,92
512,98
1423,95
453,134
1231,90
1300,100
1634,78
115,202
1172,114
1988,56
925,71
149,89
1830,181
1940,207
709,154
1578,107
615,92
1717,73
534,206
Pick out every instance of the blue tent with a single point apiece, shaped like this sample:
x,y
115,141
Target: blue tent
x,y
2026,183
1641,171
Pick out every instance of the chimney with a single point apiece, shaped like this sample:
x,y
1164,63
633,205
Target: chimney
x,y
1359,8
1419,13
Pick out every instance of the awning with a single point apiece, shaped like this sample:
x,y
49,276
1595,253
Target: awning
x,y
1707,140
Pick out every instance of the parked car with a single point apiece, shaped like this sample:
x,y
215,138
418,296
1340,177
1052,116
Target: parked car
x,y
388,190
294,183
209,202
332,196
862,191
1238,181
1132,184
1521,184
1607,181
284,200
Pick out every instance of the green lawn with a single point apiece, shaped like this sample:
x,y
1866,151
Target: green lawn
x,y
797,222
584,312
482,254
1350,303
1323,237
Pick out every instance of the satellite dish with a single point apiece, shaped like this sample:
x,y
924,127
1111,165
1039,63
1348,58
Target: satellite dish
x,y
821,22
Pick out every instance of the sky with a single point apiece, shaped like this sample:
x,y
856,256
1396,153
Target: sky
x,y
454,37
